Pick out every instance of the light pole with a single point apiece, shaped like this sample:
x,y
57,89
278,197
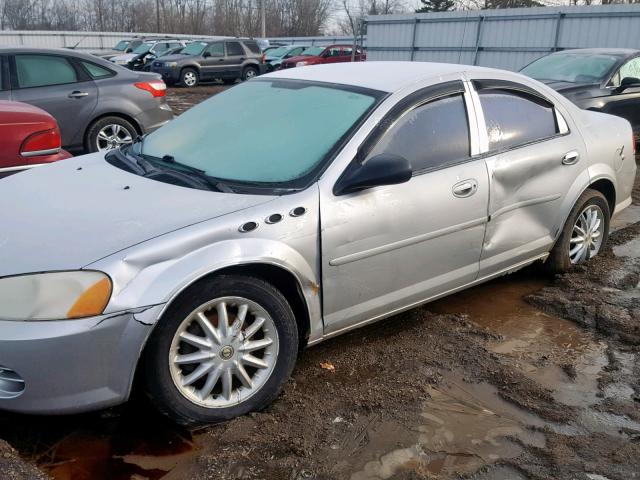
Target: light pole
x,y
263,20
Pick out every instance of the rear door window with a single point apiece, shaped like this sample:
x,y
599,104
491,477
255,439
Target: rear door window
x,y
430,136
44,70
514,119
234,49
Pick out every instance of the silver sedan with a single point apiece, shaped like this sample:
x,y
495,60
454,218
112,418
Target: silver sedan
x,y
283,212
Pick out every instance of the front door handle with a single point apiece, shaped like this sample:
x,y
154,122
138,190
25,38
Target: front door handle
x,y
78,94
571,158
465,188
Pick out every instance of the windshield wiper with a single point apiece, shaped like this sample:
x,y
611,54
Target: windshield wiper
x,y
169,164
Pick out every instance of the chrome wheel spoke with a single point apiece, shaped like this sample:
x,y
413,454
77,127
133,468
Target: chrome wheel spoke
x,y
227,382
256,345
223,319
195,341
255,362
209,330
197,374
211,383
192,358
253,329
242,374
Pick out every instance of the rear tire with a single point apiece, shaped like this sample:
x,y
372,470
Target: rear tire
x,y
189,78
109,132
248,73
588,220
237,380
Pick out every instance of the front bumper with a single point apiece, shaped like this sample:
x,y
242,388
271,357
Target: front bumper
x,y
69,366
169,75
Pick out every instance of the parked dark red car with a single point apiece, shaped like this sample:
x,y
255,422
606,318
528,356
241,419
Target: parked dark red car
x,y
330,54
29,137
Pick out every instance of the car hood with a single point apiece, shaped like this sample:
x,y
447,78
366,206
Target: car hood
x,y
124,58
300,58
70,214
173,58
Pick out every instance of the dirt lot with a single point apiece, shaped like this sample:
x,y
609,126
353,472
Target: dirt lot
x,y
526,377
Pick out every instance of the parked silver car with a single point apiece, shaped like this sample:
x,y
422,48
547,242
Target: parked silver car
x,y
204,258
98,105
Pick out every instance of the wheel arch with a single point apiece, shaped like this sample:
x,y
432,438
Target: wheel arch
x,y
607,188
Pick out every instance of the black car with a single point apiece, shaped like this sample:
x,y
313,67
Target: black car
x,y
227,60
601,79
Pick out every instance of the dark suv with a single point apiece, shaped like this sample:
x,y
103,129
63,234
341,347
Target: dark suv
x,y
227,60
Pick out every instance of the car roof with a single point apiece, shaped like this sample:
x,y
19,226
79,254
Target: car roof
x,y
618,52
383,76
54,51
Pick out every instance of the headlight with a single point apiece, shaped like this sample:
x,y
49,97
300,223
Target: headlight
x,y
54,296
171,64
302,64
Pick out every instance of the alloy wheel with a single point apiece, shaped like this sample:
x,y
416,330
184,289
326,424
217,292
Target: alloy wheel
x,y
587,235
223,352
189,79
113,136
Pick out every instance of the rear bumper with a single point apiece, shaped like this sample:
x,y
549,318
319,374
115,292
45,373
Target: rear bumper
x,y
69,366
154,118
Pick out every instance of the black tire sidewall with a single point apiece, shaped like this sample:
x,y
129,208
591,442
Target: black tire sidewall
x,y
247,69
90,143
559,260
159,384
182,74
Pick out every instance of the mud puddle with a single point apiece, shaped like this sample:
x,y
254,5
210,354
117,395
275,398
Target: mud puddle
x,y
123,444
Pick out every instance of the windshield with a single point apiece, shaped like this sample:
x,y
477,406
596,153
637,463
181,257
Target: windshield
x,y
313,51
143,48
121,46
237,135
571,67
194,48
277,52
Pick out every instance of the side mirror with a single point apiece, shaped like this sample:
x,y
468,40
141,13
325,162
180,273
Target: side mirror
x,y
206,54
383,169
628,82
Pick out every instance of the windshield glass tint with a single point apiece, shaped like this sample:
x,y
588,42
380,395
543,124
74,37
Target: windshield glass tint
x,y
194,48
277,52
313,51
143,48
237,135
121,46
571,67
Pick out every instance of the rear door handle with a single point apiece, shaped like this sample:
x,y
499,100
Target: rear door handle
x,y
465,188
78,94
571,158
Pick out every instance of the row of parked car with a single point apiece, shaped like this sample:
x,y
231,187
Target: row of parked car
x,y
98,105
187,62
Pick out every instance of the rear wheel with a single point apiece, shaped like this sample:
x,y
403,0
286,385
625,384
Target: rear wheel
x,y
108,133
584,234
189,78
248,73
225,348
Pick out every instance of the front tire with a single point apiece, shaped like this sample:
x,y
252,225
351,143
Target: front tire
x,y
584,234
189,78
225,348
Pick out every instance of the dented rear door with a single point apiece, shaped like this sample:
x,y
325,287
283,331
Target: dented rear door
x,y
532,159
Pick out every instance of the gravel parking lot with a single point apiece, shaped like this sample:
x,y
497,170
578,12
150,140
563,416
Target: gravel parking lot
x,y
526,377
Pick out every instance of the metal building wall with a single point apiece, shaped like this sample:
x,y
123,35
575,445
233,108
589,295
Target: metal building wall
x,y
509,38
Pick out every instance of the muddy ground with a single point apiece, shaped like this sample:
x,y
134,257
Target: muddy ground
x,y
526,377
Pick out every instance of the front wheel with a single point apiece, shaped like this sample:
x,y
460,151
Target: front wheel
x,y
584,234
189,78
225,348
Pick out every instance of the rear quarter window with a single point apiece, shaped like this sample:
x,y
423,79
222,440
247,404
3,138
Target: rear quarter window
x,y
96,71
252,47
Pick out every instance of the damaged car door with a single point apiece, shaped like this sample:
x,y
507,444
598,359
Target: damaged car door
x,y
387,247
533,159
